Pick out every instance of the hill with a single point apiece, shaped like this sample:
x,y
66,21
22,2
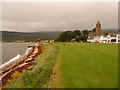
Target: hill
x,y
51,33
27,36
109,30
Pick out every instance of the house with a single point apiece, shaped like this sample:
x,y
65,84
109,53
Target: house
x,y
99,37
105,39
47,41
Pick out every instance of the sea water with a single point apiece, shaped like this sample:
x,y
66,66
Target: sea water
x,y
11,50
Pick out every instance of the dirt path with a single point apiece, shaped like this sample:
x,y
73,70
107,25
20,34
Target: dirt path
x,y
25,64
56,79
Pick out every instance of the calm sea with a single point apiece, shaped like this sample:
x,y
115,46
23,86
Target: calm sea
x,y
10,50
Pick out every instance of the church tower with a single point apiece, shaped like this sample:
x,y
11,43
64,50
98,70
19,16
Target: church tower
x,y
98,29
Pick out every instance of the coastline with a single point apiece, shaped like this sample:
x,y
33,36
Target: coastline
x,y
25,62
11,51
17,42
16,59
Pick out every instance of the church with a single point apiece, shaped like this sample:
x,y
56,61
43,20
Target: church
x,y
99,37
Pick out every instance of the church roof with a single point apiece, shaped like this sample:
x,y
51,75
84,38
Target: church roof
x,y
92,34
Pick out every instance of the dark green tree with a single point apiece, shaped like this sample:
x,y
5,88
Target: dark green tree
x,y
77,38
85,32
65,37
76,33
69,36
83,38
94,30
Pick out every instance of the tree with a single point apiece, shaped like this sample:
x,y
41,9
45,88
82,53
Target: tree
x,y
77,38
76,33
85,32
106,33
94,30
68,35
61,37
64,37
83,38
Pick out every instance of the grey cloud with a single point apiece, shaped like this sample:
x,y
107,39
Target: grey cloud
x,y
41,16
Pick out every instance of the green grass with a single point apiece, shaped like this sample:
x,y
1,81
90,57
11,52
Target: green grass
x,y
89,65
39,77
82,65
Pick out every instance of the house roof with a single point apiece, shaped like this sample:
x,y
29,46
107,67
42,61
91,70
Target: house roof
x,y
92,34
104,35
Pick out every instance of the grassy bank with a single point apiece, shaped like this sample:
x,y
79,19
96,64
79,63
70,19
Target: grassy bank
x,y
89,65
79,65
40,75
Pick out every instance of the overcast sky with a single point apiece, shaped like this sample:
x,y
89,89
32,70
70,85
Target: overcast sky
x,y
59,16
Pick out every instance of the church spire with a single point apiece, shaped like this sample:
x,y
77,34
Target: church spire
x,y
98,22
98,29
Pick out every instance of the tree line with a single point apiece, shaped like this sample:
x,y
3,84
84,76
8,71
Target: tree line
x,y
78,35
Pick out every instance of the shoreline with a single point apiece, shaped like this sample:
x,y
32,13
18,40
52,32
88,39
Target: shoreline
x,y
26,62
18,42
17,55
16,59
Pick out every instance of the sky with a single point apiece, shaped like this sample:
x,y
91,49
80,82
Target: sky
x,y
58,16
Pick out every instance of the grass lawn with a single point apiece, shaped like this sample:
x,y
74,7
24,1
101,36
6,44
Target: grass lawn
x,y
85,65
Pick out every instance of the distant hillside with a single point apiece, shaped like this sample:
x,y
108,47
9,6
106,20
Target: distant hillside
x,y
27,36
34,36
109,30
51,33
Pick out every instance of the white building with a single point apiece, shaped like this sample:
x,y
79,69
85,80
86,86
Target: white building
x,y
99,37
110,38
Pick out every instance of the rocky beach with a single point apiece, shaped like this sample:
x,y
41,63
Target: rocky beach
x,y
26,62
